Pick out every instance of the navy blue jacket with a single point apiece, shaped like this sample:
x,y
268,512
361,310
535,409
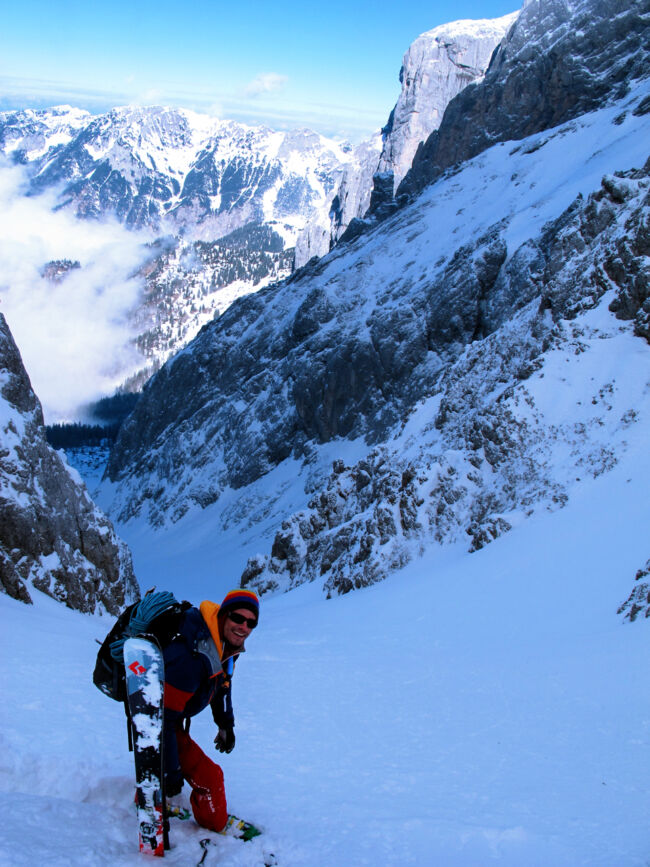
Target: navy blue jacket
x,y
194,679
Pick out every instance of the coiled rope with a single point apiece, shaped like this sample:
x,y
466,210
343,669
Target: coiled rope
x,y
146,611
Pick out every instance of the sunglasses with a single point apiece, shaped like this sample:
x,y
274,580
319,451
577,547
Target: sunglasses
x,y
239,619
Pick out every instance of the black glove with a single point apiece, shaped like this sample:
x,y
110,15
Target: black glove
x,y
225,741
173,784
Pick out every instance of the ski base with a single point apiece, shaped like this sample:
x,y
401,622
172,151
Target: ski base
x,y
144,684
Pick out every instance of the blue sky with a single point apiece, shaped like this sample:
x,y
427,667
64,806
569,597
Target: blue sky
x,y
331,66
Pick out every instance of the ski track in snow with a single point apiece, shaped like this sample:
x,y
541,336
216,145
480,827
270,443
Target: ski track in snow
x,y
471,710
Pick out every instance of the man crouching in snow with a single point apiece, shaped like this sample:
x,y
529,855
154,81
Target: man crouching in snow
x,y
198,672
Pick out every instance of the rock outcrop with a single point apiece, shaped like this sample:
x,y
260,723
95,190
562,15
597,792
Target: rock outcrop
x,y
559,60
638,602
52,536
437,66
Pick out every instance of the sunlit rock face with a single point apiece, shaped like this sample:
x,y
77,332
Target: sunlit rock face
x,y
559,59
438,64
52,536
436,67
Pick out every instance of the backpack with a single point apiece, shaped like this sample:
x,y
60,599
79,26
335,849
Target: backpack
x,y
156,615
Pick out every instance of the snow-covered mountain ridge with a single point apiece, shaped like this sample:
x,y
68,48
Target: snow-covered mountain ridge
x,y
229,198
399,320
174,170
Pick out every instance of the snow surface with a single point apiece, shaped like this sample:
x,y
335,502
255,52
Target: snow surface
x,y
471,710
470,27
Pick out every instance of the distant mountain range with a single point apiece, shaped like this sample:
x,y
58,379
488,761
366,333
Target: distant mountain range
x,y
174,171
191,181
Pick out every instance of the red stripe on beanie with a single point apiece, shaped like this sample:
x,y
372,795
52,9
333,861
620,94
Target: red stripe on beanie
x,y
241,599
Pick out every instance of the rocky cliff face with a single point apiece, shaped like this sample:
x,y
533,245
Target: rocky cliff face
x,y
438,65
52,536
486,447
559,60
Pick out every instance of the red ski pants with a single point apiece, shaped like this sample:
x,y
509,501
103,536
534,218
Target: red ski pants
x,y
208,798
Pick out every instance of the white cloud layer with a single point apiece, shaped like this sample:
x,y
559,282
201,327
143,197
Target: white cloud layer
x,y
266,82
73,333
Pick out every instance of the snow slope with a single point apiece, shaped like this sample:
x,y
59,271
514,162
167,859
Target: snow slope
x,y
471,710
516,188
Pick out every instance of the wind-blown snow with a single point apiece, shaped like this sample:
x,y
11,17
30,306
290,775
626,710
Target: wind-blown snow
x,y
471,710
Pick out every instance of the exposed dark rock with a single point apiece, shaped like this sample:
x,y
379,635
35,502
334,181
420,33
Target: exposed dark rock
x,y
627,262
382,201
638,602
52,536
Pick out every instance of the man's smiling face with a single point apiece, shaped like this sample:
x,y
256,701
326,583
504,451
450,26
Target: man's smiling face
x,y
238,626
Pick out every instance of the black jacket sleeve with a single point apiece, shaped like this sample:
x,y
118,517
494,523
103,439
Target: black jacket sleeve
x,y
221,703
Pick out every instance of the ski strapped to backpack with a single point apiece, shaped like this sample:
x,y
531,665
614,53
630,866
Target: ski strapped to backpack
x,y
158,614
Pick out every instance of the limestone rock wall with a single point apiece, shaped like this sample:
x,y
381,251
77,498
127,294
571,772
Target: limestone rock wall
x,y
52,536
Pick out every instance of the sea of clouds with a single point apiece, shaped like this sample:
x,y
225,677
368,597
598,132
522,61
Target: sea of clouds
x,y
74,334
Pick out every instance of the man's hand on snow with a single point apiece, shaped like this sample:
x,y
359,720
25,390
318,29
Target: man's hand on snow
x,y
225,741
